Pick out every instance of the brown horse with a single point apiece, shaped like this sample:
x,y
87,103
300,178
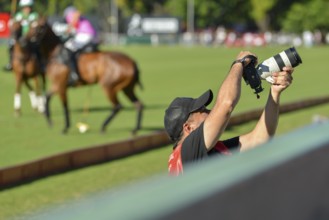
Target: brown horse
x,y
113,71
26,66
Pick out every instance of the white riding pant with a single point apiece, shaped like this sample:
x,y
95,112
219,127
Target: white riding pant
x,y
78,41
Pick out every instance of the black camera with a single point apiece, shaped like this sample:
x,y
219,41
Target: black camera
x,y
251,76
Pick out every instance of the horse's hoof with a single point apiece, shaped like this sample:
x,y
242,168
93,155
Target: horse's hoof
x,y
50,124
17,113
40,110
134,132
103,129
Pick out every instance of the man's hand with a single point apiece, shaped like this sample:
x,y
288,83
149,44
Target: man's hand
x,y
243,54
282,80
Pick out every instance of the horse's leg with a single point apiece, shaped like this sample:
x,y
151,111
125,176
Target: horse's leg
x,y
43,81
129,91
47,109
115,111
40,100
32,94
112,95
17,95
63,97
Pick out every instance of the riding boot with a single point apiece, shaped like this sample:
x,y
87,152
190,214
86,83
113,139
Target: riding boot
x,y
73,76
9,66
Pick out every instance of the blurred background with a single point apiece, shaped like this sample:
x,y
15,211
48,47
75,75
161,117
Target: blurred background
x,y
210,22
172,41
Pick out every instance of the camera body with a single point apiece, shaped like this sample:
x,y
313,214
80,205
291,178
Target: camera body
x,y
253,75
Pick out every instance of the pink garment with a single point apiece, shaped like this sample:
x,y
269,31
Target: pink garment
x,y
83,25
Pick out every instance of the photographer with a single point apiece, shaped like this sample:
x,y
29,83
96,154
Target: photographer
x,y
196,130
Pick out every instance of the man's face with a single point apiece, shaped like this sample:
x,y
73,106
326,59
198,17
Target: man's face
x,y
26,10
76,17
196,118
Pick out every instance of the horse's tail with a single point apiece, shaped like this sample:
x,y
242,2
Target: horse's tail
x,y
137,78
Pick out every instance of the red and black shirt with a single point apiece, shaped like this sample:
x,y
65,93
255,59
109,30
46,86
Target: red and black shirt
x,y
193,149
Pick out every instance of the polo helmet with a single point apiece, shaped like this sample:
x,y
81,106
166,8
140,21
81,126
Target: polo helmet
x,y
23,3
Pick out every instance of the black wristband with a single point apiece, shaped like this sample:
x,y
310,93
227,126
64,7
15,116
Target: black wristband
x,y
242,61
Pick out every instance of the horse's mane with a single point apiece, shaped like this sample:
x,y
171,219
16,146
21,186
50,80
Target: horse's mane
x,y
49,35
49,41
15,30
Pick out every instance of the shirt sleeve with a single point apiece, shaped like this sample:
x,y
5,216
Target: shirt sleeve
x,y
86,27
33,16
232,143
18,16
193,147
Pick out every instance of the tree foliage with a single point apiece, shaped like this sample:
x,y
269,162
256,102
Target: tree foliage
x,y
260,12
311,16
287,15
211,13
152,7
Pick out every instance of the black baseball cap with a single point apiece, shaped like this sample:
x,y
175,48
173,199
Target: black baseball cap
x,y
179,110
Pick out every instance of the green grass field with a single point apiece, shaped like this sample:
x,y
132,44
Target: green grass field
x,y
166,72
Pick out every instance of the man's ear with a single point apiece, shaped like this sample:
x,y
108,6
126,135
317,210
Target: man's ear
x,y
187,128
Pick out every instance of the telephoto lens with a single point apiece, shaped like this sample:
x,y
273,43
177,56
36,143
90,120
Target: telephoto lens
x,y
288,57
